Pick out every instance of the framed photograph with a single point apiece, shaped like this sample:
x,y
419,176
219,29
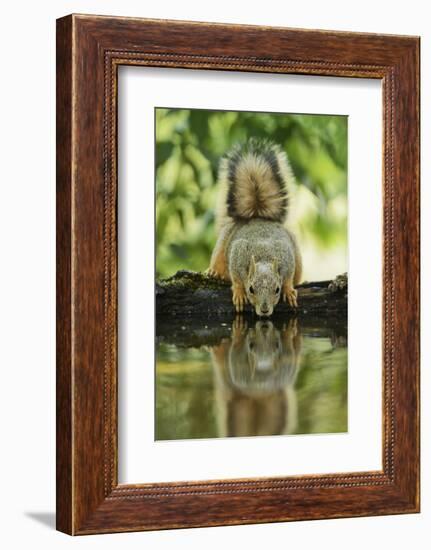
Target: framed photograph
x,y
237,274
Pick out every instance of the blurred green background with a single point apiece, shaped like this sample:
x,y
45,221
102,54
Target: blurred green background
x,y
189,144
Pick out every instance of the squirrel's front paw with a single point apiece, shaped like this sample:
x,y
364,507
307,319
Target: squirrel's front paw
x,y
290,295
211,273
239,298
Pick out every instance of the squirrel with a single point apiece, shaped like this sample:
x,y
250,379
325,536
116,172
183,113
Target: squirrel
x,y
254,251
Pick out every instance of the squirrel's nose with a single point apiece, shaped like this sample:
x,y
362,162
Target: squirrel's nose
x,y
264,309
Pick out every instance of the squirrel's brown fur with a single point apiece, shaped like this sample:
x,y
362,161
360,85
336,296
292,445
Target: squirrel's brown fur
x,y
254,250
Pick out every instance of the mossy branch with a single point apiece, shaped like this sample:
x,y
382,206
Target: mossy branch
x,y
191,294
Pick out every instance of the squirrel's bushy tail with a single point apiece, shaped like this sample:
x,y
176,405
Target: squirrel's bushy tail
x,y
256,176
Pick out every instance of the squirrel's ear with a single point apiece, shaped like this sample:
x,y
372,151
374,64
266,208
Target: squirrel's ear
x,y
252,268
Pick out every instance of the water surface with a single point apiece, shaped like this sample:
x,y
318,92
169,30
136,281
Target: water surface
x,y
252,378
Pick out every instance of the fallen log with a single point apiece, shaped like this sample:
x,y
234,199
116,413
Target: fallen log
x,y
190,294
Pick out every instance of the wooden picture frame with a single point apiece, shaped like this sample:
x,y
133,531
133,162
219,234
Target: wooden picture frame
x,y
89,52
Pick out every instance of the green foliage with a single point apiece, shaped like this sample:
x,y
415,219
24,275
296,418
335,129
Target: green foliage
x,y
189,144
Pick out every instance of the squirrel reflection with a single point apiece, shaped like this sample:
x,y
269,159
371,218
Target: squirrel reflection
x,y
255,372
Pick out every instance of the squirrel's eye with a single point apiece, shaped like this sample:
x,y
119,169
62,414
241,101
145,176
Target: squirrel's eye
x,y
277,290
251,289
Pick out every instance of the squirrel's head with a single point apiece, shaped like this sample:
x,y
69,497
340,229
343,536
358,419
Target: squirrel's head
x,y
263,286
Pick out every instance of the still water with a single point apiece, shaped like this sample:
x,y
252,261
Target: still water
x,y
259,378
